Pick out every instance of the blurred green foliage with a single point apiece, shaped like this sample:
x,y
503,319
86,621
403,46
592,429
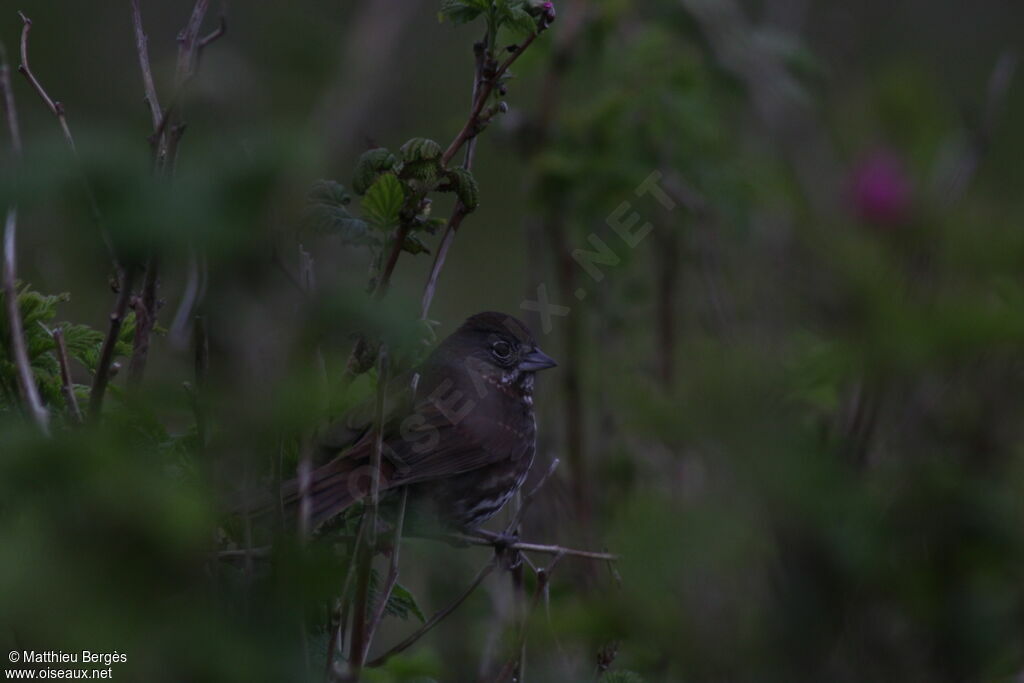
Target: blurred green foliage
x,y
813,472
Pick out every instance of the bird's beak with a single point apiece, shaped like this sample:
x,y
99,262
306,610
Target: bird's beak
x,y
536,360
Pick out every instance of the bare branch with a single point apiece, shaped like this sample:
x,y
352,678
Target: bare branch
x,y
513,667
392,578
19,351
438,617
188,43
361,629
148,85
338,634
66,385
56,108
481,537
222,28
146,308
389,266
439,259
305,477
102,377
8,100
483,86
472,125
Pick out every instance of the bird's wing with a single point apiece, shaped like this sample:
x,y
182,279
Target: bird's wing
x,y
438,441
355,424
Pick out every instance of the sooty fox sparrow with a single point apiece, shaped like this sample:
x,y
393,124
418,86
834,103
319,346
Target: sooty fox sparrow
x,y
462,440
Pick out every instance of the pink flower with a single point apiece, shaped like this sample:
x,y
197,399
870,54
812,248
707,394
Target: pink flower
x,y
881,189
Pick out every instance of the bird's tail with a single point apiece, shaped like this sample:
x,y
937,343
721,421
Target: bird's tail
x,y
332,488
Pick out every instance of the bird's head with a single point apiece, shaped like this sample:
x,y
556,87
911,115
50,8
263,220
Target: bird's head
x,y
502,342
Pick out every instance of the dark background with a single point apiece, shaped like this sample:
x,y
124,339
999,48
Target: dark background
x,y
793,409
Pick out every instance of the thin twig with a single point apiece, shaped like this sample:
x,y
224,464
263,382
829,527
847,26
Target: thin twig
x,y
8,100
392,578
513,669
222,28
19,351
389,266
146,308
439,259
483,86
148,85
66,385
305,476
338,635
472,125
165,146
377,457
55,107
481,537
361,632
107,351
438,617
364,565
262,551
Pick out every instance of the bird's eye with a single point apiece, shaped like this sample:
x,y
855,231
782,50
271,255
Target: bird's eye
x,y
502,350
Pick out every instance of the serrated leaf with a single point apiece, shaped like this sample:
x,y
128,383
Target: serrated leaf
x,y
372,163
402,604
461,11
518,20
327,213
383,201
420,149
465,187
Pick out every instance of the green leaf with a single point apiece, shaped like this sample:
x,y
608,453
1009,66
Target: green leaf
x,y
461,11
402,604
327,213
465,187
383,201
422,159
414,245
372,163
518,20
421,149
